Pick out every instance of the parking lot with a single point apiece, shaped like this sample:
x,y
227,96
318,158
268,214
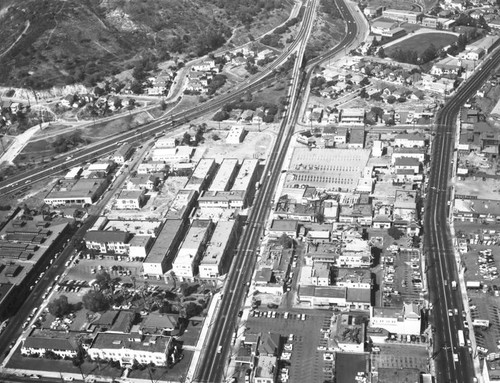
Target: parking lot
x,y
402,280
306,363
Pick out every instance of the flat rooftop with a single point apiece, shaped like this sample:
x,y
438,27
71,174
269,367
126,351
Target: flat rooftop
x,y
134,227
163,244
245,175
328,169
137,342
224,175
83,187
218,243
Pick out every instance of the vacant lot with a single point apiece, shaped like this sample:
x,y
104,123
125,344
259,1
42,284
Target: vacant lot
x,y
419,43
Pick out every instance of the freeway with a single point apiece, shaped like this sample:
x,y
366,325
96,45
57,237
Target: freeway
x,y
168,122
213,360
438,246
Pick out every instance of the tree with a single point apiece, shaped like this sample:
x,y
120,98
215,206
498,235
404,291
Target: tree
x,y
381,53
186,139
395,233
103,280
285,241
60,306
221,115
95,301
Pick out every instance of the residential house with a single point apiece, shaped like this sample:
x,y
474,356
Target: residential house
x,y
130,199
104,241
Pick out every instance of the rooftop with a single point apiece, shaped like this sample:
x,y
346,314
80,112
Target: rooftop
x,y
245,175
84,187
132,341
224,175
163,244
217,245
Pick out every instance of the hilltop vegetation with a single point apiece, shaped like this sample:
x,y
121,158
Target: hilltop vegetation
x,y
86,40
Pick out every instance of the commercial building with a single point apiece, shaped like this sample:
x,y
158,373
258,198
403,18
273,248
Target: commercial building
x,y
122,154
326,169
235,135
352,116
397,320
476,210
76,192
165,142
182,205
246,175
380,26
187,260
159,259
202,175
179,154
246,179
147,167
222,199
104,241
225,175
403,15
217,257
129,349
130,199
405,140
139,247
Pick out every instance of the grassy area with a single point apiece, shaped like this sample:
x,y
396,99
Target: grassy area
x,y
419,43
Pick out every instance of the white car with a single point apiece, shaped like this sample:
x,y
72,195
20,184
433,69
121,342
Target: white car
x,y
328,357
288,347
286,356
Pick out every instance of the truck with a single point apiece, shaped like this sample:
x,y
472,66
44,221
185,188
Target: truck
x,y
455,357
454,285
461,339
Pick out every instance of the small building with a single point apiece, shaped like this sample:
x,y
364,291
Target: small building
x,y
130,199
225,175
413,17
352,116
235,135
122,154
165,142
104,241
397,320
284,226
139,247
179,154
410,140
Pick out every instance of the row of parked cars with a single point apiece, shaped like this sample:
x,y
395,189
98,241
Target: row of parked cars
x,y
275,314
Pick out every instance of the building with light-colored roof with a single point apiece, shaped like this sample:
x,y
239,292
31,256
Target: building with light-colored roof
x,y
165,142
225,175
266,369
159,259
130,199
182,205
246,175
352,116
139,247
403,15
235,135
222,199
130,349
410,140
76,192
202,175
147,167
187,260
73,173
326,169
217,257
397,320
179,154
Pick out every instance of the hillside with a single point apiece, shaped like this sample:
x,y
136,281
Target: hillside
x,y
68,41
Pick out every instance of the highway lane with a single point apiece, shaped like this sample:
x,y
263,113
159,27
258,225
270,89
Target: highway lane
x,y
212,364
168,122
438,241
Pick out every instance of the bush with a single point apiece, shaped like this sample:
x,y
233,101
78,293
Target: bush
x,y
395,233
